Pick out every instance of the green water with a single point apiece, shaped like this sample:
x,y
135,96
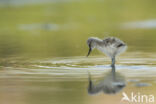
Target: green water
x,y
43,50
64,80
62,28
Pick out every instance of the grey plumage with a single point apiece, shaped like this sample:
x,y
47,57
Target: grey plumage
x,y
111,83
111,46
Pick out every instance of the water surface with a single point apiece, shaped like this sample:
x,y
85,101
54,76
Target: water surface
x,y
43,49
65,79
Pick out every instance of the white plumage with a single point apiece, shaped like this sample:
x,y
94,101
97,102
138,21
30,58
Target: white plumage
x,y
111,46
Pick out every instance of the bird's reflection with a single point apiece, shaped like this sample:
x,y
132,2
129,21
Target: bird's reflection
x,y
111,83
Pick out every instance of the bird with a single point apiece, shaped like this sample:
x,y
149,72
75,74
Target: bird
x,y
110,83
110,46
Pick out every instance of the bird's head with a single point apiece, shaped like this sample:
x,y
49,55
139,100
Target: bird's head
x,y
91,44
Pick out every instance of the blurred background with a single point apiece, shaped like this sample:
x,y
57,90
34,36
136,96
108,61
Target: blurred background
x,y
56,28
43,48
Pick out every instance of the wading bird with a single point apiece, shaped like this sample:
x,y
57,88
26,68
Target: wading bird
x,y
111,83
111,46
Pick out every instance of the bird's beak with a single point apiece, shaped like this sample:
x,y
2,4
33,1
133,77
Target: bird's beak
x,y
90,50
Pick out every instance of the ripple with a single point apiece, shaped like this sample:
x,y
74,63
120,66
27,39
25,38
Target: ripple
x,y
78,67
143,84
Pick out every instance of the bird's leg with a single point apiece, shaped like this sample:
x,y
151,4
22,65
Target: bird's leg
x,y
113,68
113,62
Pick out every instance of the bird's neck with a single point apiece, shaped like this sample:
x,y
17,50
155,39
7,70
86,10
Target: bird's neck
x,y
98,42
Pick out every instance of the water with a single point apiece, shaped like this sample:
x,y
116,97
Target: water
x,y
43,50
65,79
